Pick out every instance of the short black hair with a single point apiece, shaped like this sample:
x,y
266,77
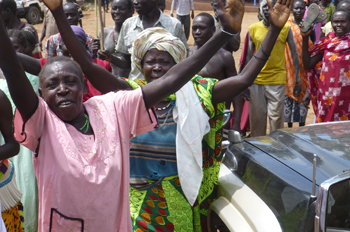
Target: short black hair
x,y
342,2
210,18
11,5
61,59
342,10
14,33
131,5
295,1
75,6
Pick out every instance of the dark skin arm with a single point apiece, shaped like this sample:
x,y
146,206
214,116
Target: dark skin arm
x,y
170,82
11,147
29,64
230,17
21,90
230,71
309,62
230,87
91,70
233,44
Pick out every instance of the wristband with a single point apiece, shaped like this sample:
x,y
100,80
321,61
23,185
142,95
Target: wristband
x,y
260,58
228,32
264,51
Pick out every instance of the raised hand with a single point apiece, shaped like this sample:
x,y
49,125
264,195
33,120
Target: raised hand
x,y
308,33
231,15
279,13
53,4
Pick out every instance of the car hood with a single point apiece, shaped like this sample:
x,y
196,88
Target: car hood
x,y
295,148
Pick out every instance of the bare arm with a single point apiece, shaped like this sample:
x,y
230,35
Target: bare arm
x,y
29,64
233,44
230,70
308,61
21,90
296,62
232,86
231,18
11,147
91,70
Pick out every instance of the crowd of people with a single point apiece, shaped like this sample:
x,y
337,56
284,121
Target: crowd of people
x,y
128,137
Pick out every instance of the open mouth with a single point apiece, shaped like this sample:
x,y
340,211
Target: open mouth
x,y
116,17
64,103
338,30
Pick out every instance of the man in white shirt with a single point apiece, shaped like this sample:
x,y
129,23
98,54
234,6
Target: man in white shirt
x,y
183,13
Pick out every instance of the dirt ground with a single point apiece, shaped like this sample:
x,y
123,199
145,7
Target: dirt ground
x,y
89,26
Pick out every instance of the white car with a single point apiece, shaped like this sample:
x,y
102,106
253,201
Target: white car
x,y
31,10
293,180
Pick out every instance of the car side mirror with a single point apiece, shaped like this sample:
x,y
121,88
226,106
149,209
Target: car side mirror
x,y
333,204
227,116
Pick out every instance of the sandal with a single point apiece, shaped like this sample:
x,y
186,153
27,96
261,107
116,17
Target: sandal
x,y
321,17
312,14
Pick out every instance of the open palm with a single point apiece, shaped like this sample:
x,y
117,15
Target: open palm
x,y
279,13
231,15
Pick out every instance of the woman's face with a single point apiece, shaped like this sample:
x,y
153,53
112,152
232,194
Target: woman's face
x,y
156,63
120,11
298,10
62,88
340,23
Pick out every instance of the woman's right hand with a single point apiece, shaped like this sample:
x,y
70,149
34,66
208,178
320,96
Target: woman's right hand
x,y
308,33
53,4
279,13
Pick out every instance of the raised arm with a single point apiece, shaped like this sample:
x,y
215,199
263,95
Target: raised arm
x,y
232,86
296,62
233,44
92,71
21,90
308,61
11,147
29,64
231,19
230,71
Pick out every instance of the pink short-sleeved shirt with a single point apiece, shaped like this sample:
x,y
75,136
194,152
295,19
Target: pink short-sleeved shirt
x,y
84,180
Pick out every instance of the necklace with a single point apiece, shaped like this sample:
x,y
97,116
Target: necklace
x,y
165,107
87,123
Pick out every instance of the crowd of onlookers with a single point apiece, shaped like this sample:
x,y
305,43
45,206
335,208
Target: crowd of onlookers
x,y
77,160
